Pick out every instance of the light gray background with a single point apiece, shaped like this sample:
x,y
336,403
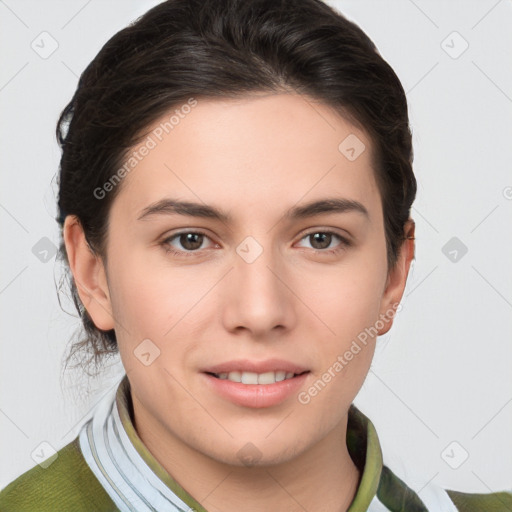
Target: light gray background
x,y
442,374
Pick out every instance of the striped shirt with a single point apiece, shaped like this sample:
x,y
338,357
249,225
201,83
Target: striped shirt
x,y
108,468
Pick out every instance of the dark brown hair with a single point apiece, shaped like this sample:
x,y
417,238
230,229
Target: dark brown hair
x,y
224,48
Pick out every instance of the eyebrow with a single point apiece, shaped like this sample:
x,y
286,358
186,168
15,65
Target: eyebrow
x,y
169,206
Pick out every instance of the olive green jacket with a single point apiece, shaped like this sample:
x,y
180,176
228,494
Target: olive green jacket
x,y
68,484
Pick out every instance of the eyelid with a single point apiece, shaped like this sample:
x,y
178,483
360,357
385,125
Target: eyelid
x,y
197,231
309,231
345,239
344,235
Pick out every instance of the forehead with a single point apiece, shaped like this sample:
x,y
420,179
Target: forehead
x,y
264,151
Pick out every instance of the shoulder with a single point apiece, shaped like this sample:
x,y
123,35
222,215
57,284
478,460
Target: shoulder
x,y
492,502
414,495
66,484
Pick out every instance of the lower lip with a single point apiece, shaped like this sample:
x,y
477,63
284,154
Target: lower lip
x,y
256,395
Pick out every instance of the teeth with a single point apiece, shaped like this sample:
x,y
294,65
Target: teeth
x,y
266,378
235,376
249,378
256,378
280,376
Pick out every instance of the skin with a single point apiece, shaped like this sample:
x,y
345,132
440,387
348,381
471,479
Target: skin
x,y
254,158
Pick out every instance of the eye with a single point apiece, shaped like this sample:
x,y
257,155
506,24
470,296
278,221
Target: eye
x,y
322,240
190,242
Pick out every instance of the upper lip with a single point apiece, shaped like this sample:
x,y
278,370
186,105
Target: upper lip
x,y
246,365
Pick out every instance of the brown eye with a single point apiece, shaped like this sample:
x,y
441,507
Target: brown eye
x,y
191,241
186,243
322,241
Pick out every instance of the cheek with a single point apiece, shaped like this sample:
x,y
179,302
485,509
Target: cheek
x,y
344,358
154,302
348,298
141,304
149,298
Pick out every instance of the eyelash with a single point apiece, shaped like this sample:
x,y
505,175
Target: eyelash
x,y
344,243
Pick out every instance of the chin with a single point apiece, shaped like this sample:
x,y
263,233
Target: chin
x,y
259,453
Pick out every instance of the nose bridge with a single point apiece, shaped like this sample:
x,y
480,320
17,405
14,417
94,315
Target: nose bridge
x,y
260,300
256,264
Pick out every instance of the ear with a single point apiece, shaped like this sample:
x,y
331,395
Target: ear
x,y
89,274
397,279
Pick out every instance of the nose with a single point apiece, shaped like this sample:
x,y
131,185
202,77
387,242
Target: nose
x,y
258,296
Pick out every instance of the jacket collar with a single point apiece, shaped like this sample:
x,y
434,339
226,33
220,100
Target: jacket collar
x,y
362,443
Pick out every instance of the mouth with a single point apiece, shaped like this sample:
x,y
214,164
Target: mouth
x,y
252,378
256,384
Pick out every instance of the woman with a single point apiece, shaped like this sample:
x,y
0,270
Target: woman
x,y
235,192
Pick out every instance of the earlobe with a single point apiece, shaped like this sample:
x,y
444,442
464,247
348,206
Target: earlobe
x,y
89,275
397,278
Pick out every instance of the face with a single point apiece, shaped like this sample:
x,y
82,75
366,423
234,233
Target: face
x,y
270,288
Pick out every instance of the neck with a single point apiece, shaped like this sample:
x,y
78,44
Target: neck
x,y
322,478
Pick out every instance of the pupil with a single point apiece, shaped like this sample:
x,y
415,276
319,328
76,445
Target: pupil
x,y
316,236
187,241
